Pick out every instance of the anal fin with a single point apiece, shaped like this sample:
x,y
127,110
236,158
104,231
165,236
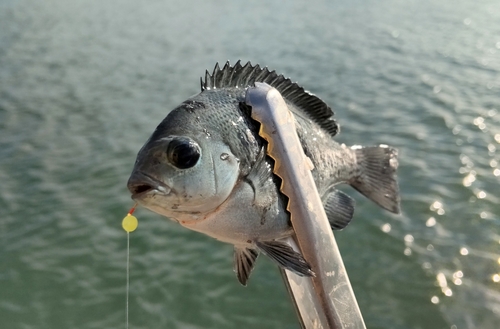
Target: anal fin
x,y
285,256
244,260
377,179
339,208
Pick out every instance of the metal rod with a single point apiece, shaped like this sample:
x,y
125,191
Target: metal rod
x,y
326,300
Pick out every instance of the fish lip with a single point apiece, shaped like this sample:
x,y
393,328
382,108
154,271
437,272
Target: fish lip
x,y
141,184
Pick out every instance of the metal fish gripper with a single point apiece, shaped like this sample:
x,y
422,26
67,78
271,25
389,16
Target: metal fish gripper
x,y
326,300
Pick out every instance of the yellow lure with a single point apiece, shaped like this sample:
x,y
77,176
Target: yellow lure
x,y
130,222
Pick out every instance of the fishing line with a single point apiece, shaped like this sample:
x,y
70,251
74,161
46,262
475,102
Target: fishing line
x,y
129,224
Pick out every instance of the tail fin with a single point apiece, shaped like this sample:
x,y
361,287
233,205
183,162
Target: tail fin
x,y
377,178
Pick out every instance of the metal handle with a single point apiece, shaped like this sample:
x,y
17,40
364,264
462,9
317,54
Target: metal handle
x,y
327,300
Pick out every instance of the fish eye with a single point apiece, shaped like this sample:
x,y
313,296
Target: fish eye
x,y
183,153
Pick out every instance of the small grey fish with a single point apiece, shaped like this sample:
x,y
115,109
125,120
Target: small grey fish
x,y
205,167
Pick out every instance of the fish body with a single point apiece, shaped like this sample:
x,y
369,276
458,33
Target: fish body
x,y
205,167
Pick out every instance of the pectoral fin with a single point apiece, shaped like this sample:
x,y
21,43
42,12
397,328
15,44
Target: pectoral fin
x,y
260,178
285,256
244,259
339,208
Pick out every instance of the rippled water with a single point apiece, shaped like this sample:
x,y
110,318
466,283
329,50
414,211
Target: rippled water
x,y
84,83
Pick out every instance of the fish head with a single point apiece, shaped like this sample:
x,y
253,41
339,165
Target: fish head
x,y
183,172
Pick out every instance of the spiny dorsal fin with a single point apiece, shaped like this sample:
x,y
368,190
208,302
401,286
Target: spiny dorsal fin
x,y
239,76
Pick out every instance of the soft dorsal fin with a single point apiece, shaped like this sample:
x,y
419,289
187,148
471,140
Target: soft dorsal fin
x,y
239,76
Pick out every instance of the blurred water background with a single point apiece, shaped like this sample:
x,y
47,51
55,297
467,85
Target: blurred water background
x,y
83,83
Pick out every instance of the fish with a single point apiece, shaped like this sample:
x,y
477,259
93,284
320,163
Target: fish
x,y
206,167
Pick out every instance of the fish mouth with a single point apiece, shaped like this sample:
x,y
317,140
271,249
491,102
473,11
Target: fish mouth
x,y
141,184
